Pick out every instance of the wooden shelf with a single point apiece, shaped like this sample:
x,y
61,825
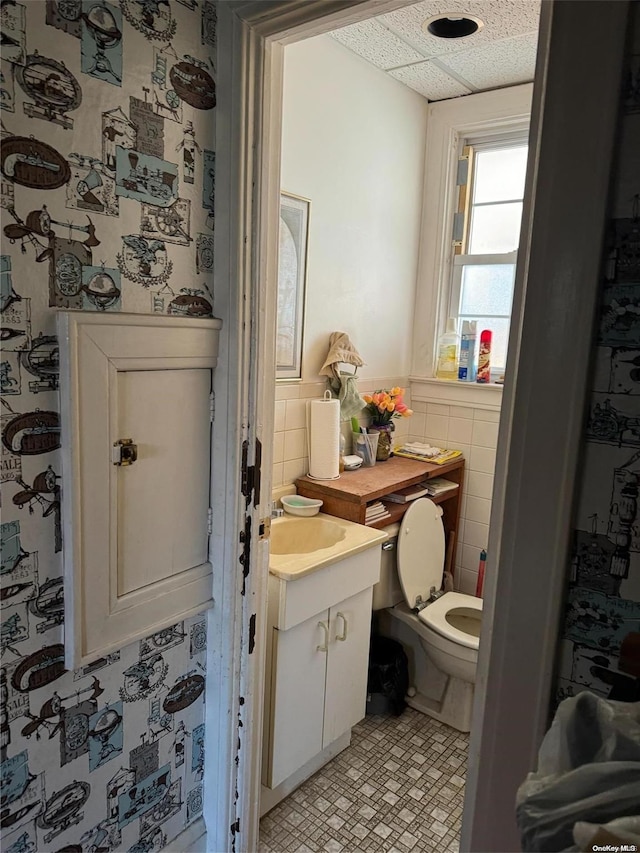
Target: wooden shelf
x,y
348,496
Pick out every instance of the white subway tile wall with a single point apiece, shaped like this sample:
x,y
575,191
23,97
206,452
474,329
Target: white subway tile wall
x,y
280,415
467,428
482,459
460,430
295,445
290,447
484,434
479,484
278,447
296,415
474,431
418,423
477,509
288,392
476,534
293,469
278,474
437,426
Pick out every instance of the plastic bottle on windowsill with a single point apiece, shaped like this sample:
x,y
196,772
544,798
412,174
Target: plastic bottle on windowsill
x,y
467,364
448,349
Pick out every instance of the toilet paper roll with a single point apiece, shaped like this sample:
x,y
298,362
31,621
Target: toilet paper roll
x,y
324,438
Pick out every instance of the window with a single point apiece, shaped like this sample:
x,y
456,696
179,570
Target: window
x,y
487,121
486,234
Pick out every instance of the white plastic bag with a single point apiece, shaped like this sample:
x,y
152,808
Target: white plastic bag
x,y
588,770
627,829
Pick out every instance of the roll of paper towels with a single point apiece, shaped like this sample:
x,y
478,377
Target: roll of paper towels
x,y
324,438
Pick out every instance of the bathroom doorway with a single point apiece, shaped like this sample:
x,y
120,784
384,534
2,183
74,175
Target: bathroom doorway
x,y
520,720
353,134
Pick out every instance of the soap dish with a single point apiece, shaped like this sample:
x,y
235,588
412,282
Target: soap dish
x,y
352,462
298,505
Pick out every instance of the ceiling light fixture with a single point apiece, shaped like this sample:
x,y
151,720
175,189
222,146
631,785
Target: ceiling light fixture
x,y
452,26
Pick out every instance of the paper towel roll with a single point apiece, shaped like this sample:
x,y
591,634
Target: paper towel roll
x,y
324,438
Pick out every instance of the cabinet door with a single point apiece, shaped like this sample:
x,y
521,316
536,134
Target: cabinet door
x,y
135,538
164,497
297,696
347,665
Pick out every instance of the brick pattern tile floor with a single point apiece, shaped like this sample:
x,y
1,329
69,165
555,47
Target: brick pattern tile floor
x,y
397,788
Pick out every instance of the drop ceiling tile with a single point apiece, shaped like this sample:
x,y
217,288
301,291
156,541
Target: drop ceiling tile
x,y
375,43
503,63
502,19
430,81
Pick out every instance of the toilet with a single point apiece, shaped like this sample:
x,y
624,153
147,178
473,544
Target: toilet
x,y
440,639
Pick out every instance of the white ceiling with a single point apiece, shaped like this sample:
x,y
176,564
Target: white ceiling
x,y
500,54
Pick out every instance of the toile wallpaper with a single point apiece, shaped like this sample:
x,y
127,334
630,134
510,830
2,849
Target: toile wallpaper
x,y
107,188
600,649
107,181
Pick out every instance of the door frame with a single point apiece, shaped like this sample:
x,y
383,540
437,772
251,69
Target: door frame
x,y
581,47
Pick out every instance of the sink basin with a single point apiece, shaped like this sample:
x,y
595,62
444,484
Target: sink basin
x,y
301,546
301,536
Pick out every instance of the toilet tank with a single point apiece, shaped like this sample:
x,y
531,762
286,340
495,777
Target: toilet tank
x,y
387,592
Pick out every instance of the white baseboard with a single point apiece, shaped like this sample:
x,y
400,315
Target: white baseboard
x,y
191,840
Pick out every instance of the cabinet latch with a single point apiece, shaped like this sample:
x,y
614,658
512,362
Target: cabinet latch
x,y
264,530
124,452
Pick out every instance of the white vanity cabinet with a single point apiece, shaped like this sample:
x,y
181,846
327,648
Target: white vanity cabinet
x,y
317,660
319,682
347,665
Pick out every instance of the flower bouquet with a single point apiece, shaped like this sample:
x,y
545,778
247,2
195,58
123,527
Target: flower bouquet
x,y
382,406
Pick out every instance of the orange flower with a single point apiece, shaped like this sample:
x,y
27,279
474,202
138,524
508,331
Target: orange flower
x,y
383,405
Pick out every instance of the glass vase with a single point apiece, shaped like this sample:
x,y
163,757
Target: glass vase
x,y
385,441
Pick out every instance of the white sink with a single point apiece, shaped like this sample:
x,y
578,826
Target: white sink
x,y
299,546
300,536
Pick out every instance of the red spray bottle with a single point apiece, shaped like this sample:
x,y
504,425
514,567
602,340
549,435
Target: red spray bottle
x,y
484,357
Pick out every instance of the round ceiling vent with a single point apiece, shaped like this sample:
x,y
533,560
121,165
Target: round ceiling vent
x,y
452,26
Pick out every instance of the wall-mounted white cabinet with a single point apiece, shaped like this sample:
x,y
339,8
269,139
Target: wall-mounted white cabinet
x,y
136,439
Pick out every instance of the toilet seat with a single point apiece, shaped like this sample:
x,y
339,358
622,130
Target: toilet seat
x,y
435,617
420,567
420,550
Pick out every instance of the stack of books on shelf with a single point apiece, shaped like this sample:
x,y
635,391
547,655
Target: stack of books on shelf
x,y
439,485
427,489
410,493
375,511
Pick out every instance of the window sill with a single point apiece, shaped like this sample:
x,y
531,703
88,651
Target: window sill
x,y
427,389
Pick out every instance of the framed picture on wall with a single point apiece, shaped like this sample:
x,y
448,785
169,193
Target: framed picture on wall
x,y
292,277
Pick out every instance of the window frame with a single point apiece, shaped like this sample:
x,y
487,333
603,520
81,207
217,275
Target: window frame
x,y
502,114
460,262
470,149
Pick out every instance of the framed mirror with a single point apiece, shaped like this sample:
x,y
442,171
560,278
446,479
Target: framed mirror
x,y
292,277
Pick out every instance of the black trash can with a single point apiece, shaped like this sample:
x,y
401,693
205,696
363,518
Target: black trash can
x,y
388,678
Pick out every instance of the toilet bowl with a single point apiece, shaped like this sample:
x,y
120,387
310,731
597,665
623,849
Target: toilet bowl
x,y
441,639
